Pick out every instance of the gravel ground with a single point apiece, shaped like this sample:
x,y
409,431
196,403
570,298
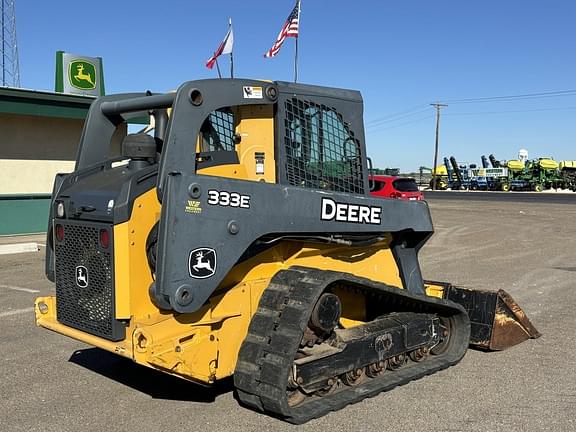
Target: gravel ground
x,y
52,383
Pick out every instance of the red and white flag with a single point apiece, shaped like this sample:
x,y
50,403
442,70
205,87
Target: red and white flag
x,y
225,47
289,29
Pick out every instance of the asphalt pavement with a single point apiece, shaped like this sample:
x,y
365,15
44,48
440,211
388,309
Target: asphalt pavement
x,y
53,383
547,197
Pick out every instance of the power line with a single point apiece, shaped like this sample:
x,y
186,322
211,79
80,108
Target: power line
x,y
402,124
375,129
513,97
518,99
401,113
376,123
512,111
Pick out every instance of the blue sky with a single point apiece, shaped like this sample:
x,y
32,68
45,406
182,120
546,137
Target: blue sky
x,y
401,55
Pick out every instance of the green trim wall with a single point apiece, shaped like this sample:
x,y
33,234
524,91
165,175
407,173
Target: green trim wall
x,y
24,214
31,102
48,104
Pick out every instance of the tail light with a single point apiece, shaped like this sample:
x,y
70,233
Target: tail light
x,y
59,232
104,238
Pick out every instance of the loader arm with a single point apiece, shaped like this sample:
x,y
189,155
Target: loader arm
x,y
226,231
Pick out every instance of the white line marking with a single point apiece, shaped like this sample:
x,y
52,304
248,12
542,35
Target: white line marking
x,y
15,288
16,312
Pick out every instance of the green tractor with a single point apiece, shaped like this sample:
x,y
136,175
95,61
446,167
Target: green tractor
x,y
535,175
568,174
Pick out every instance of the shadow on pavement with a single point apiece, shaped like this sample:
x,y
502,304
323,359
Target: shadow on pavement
x,y
156,384
568,269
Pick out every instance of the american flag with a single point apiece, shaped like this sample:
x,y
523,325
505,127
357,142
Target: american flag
x,y
289,29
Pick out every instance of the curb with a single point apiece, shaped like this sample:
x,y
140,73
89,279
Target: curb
x,y
18,248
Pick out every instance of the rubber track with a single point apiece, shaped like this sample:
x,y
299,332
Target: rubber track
x,y
275,331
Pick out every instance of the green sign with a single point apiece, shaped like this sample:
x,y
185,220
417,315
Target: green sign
x,y
82,74
79,74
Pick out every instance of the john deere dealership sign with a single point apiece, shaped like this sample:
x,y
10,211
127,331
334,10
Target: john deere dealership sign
x,y
79,74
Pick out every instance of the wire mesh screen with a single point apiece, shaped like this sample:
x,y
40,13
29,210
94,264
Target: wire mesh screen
x,y
90,306
218,132
321,151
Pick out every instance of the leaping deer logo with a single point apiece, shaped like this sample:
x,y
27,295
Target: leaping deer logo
x,y
82,276
81,76
202,263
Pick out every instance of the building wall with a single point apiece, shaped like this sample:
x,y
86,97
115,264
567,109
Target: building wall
x,y
33,149
18,176
39,138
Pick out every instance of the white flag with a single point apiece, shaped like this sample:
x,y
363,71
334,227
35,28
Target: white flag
x,y
225,47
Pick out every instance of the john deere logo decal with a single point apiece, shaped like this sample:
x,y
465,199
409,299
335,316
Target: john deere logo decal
x,y
82,74
82,276
202,263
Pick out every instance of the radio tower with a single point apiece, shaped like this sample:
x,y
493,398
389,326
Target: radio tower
x,y
9,54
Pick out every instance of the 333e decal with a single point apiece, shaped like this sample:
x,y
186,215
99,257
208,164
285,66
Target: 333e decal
x,y
228,199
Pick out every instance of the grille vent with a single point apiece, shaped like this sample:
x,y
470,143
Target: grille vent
x,y
88,308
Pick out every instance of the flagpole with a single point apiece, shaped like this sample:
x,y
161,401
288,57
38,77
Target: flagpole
x,y
296,63
218,68
231,52
296,50
231,66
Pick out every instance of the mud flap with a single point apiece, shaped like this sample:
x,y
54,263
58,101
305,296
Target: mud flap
x,y
497,322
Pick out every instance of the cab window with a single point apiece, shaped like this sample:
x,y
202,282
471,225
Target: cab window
x,y
321,150
217,132
216,141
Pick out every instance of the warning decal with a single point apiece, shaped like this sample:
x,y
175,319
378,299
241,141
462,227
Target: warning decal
x,y
251,92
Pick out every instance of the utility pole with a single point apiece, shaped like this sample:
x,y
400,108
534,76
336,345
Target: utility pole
x,y
438,106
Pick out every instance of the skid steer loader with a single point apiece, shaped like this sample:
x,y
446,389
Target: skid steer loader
x,y
241,239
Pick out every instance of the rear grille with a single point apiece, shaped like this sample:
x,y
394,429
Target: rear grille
x,y
85,281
